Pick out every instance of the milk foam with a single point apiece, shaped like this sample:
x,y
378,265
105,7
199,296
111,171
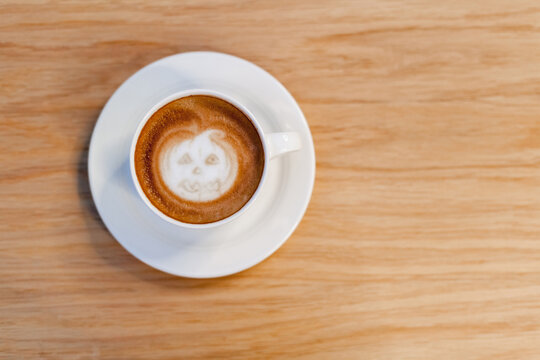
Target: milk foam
x,y
199,169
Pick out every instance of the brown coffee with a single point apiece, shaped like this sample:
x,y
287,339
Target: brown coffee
x,y
199,159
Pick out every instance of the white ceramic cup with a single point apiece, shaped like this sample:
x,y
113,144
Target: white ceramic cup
x,y
274,145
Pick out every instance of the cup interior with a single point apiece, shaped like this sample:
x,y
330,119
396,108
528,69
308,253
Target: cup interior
x,y
166,101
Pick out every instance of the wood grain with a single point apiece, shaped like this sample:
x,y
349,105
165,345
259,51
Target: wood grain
x,y
422,240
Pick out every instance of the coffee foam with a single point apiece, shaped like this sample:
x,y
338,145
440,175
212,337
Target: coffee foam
x,y
199,169
199,159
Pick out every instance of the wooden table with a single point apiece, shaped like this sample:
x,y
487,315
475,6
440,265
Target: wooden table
x,y
422,239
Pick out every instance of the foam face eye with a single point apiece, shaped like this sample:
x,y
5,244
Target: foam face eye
x,y
185,159
212,159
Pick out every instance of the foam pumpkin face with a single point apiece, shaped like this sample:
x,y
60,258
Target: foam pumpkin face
x,y
200,169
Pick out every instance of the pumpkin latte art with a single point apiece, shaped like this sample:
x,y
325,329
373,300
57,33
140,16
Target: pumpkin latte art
x,y
202,168
199,159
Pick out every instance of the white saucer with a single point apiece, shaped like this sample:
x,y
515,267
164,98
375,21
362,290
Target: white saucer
x,y
213,252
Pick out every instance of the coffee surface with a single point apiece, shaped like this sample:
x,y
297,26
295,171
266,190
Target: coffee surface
x,y
199,159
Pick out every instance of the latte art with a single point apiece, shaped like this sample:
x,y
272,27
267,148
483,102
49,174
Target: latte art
x,y
199,159
199,169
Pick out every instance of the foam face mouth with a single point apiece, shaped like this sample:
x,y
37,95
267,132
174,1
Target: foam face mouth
x,y
199,169
190,187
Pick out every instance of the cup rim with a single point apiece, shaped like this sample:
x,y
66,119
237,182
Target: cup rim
x,y
175,96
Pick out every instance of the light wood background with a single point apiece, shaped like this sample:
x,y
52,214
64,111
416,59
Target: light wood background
x,y
422,239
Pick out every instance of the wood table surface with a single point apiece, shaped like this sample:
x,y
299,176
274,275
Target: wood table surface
x,y
422,238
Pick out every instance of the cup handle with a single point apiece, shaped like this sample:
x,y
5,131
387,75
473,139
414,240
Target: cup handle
x,y
282,142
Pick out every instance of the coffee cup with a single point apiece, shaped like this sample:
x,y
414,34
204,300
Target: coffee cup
x,y
199,158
